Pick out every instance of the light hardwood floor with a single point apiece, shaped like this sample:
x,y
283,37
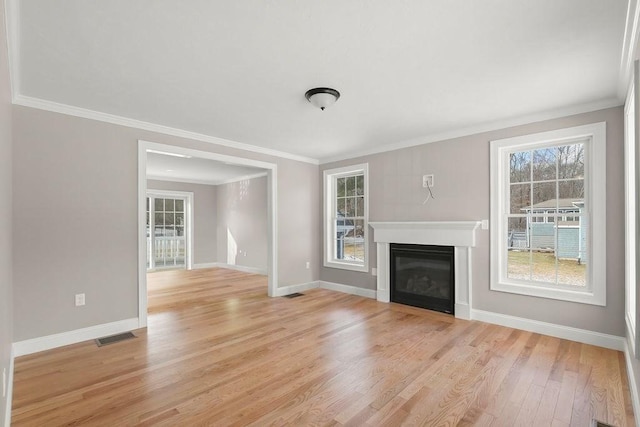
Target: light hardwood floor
x,y
218,351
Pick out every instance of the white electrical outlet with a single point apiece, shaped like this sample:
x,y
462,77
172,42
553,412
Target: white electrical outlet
x,y
79,300
4,382
374,271
427,181
308,265
485,224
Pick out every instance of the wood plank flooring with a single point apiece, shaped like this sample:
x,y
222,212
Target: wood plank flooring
x,y
218,351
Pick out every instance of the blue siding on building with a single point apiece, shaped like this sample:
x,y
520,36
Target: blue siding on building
x,y
542,236
570,240
583,240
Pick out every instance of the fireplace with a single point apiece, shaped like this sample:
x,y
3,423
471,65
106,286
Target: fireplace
x,y
461,235
423,276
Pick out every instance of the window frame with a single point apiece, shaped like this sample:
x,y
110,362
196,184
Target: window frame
x,y
330,177
188,198
595,211
632,215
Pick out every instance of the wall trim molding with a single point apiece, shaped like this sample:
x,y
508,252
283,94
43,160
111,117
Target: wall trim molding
x,y
245,269
482,128
70,110
300,287
347,289
629,44
9,399
337,287
34,345
584,336
631,376
202,265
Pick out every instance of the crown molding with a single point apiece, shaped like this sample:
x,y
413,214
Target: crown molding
x,y
629,45
42,104
12,14
481,128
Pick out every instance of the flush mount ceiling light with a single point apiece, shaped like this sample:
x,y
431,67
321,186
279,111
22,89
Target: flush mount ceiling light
x,y
322,97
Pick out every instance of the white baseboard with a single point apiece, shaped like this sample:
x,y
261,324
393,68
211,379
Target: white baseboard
x,y
292,289
566,332
346,289
368,293
9,399
204,265
48,342
243,268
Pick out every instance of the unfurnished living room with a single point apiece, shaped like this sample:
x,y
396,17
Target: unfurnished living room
x,y
340,213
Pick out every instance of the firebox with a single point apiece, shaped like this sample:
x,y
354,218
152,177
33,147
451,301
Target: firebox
x,y
423,276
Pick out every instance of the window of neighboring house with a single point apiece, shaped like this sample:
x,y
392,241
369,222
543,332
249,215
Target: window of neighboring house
x,y
346,218
560,261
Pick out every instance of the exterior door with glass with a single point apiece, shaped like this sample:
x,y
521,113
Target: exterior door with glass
x,y
167,230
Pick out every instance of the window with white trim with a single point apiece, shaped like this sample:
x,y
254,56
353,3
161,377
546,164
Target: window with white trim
x,y
631,213
548,223
346,215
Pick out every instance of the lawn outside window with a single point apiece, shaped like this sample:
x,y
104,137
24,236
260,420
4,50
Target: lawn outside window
x,y
548,223
346,218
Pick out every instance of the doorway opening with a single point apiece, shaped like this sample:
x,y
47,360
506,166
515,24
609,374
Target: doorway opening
x,y
147,229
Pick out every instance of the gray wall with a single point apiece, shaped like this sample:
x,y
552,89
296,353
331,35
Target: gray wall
x,y
6,281
75,219
242,212
204,216
461,169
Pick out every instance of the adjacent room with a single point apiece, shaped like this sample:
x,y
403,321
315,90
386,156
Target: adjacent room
x,y
320,213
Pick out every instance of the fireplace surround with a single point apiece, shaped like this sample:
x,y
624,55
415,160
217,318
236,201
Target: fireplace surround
x,y
459,234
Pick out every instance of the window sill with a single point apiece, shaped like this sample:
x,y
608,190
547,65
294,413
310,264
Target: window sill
x,y
583,297
347,266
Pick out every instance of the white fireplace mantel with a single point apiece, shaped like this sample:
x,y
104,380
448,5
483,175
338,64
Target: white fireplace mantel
x,y
459,234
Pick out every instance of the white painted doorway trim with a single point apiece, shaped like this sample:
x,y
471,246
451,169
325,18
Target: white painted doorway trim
x,y
272,223
188,197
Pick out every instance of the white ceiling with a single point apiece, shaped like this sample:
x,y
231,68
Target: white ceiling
x,y
238,70
197,170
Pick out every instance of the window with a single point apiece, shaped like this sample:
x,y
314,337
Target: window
x,y
346,218
549,189
631,178
168,229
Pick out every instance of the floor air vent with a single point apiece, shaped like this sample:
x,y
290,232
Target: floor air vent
x,y
597,423
114,338
294,295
